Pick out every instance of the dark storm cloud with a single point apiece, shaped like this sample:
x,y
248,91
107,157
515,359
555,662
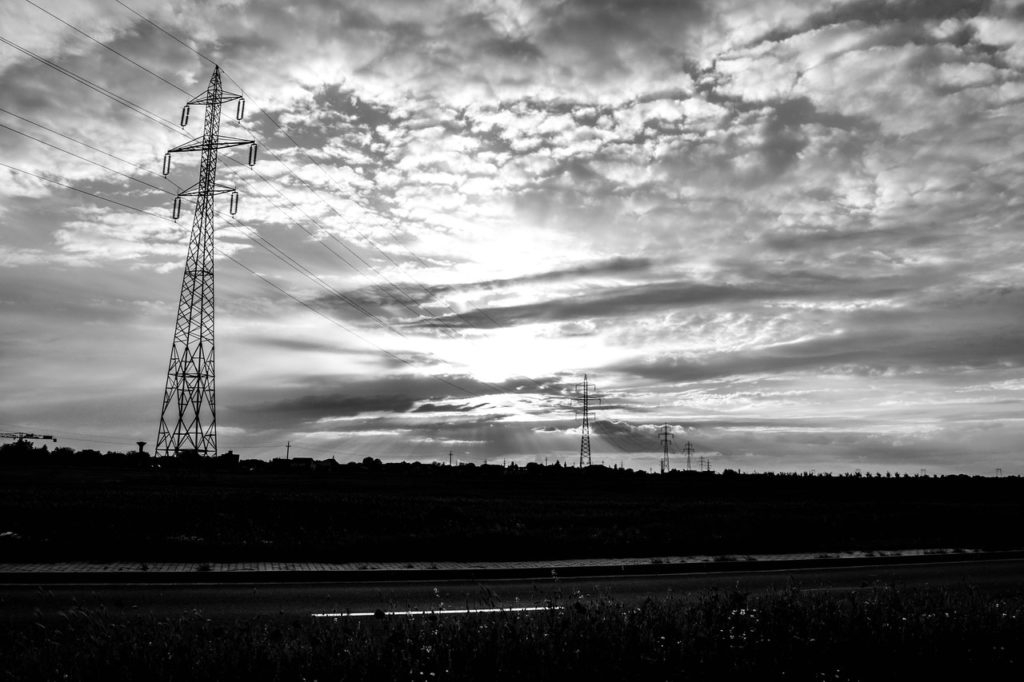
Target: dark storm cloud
x,y
321,399
600,29
300,344
865,449
343,403
633,438
876,12
404,359
625,437
614,302
27,290
332,114
778,130
702,422
431,407
829,238
613,266
676,295
968,334
412,294
314,399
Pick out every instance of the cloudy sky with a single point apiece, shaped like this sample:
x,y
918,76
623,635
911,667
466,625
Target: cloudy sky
x,y
790,229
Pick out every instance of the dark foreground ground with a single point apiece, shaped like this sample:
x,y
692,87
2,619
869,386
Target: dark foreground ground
x,y
880,633
47,599
436,513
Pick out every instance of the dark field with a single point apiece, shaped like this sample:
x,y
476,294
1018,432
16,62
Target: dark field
x,y
875,634
420,512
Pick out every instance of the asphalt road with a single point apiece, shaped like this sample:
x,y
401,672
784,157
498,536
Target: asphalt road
x,y
49,601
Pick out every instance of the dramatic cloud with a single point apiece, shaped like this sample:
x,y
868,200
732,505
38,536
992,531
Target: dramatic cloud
x,y
788,229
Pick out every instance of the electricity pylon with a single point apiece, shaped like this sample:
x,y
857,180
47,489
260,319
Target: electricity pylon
x,y
585,396
188,418
666,437
689,453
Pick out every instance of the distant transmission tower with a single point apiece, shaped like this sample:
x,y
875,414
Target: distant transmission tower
x,y
688,449
585,395
188,418
666,438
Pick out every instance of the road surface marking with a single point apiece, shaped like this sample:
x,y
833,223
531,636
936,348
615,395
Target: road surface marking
x,y
442,612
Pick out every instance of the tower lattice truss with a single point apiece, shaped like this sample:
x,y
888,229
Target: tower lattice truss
x,y
585,397
188,418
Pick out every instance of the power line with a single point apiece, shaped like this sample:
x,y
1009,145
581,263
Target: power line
x,y
259,240
394,356
331,207
107,47
82,191
359,232
142,111
325,229
171,35
339,324
117,98
446,326
89,146
277,252
349,249
264,243
77,156
273,249
93,86
329,232
290,170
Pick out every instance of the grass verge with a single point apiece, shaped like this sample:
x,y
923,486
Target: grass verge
x,y
879,634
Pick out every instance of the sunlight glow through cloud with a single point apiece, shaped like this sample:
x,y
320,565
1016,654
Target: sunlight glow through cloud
x,y
789,229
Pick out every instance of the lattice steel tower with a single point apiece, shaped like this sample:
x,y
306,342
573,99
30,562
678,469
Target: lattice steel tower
x,y
188,418
688,450
585,396
666,437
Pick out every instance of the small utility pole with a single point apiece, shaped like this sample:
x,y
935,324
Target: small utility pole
x,y
288,450
450,455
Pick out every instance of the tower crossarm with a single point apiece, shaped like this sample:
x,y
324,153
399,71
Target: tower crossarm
x,y
199,144
195,190
214,96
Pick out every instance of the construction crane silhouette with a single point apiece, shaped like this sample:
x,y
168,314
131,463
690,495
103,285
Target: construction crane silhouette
x,y
22,436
